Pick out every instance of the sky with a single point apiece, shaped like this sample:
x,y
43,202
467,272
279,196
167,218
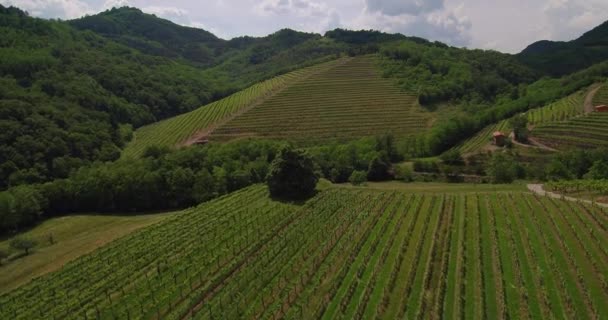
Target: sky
x,y
503,25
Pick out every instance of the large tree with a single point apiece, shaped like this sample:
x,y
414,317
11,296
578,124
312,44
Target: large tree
x,y
292,175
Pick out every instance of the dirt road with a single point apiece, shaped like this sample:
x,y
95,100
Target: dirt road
x,y
538,189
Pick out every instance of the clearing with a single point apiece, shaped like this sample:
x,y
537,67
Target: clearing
x,y
74,236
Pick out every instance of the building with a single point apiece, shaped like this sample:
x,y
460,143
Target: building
x,y
498,138
601,108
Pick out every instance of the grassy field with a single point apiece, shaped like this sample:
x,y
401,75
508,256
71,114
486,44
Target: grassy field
x,y
589,131
347,101
174,131
73,237
347,253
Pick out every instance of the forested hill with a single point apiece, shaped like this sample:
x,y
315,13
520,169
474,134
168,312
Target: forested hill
x,y
72,91
558,58
69,96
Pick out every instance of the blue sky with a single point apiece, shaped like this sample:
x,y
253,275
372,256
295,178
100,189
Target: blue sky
x,y
504,25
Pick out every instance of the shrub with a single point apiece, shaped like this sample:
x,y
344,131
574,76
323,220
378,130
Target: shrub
x,y
358,177
25,244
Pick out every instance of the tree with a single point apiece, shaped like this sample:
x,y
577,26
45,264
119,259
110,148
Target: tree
x,y
292,175
3,255
519,124
25,244
358,177
599,170
502,168
378,169
452,157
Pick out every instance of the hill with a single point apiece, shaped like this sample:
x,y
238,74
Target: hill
x,y
72,91
558,58
346,252
350,100
194,126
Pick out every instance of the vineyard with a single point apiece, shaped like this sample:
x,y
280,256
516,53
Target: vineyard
x,y
346,253
171,132
601,97
347,101
482,138
589,131
569,186
560,110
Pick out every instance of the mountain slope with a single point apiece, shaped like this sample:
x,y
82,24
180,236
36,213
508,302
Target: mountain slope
x,y
348,101
194,126
558,58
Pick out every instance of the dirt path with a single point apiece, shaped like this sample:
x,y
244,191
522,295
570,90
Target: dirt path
x,y
589,107
538,189
532,143
206,132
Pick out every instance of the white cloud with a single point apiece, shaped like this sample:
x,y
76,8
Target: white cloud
x,y
305,15
399,7
109,4
506,25
66,9
426,19
568,19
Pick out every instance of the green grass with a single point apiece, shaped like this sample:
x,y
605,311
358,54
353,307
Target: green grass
x,y
73,237
177,130
375,252
345,102
438,187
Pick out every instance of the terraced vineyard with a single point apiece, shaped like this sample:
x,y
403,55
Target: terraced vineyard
x,y
346,101
601,97
347,253
482,138
589,131
176,130
561,110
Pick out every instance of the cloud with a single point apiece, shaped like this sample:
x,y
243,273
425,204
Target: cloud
x,y
568,19
109,4
428,19
66,9
306,15
399,7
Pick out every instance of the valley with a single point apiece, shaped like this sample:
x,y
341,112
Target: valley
x,y
152,170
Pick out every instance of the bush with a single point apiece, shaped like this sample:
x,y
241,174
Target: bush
x,y
3,255
358,177
24,244
502,168
404,173
292,175
379,170
426,166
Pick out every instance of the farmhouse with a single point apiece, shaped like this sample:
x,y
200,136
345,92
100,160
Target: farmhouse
x,y
498,138
601,108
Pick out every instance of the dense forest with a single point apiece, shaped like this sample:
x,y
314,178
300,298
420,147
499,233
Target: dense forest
x,y
558,58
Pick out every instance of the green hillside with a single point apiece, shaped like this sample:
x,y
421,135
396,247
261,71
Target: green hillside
x,y
560,110
558,58
188,128
346,253
589,131
601,97
348,101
